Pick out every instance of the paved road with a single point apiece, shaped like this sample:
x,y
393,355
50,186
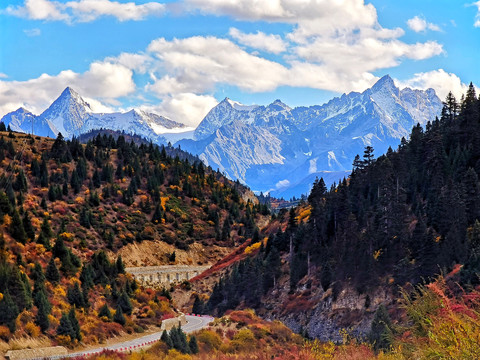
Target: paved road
x,y
194,323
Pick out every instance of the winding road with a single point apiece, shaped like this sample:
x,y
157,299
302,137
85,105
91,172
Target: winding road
x,y
194,323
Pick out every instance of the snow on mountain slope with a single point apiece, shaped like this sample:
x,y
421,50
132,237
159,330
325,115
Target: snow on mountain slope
x,y
296,143
72,116
21,120
67,113
224,113
138,122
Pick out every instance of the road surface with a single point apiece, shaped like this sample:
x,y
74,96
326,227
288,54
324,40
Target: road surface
x,y
194,323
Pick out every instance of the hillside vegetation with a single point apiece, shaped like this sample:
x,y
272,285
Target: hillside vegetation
x,y
398,220
67,209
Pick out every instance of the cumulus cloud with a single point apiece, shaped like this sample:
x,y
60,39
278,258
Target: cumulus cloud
x,y
84,10
103,80
419,24
197,64
339,42
187,108
270,43
440,80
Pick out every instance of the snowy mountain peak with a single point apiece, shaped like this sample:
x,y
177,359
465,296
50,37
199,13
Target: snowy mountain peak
x,y
67,113
385,83
239,106
278,105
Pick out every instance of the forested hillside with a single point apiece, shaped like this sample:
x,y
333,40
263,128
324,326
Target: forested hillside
x,y
67,208
403,218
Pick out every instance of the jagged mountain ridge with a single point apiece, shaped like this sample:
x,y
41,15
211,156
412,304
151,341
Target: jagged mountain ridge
x,y
290,146
73,116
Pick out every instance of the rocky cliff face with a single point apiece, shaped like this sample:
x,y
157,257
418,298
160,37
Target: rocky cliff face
x,y
323,314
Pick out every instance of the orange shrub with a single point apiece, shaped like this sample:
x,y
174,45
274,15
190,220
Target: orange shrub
x,y
32,329
4,333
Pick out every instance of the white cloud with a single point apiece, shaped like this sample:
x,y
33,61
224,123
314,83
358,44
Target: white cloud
x,y
335,45
136,62
32,32
270,43
187,108
84,10
282,184
102,80
197,64
439,80
3,76
477,17
419,24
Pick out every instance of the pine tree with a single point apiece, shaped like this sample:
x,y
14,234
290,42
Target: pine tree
x,y
125,303
75,296
76,333
167,339
118,317
27,225
119,265
193,345
52,273
381,333
8,312
198,306
44,308
16,228
65,327
104,311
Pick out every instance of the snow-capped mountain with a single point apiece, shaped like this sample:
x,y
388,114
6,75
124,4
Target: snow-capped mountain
x,y
279,149
23,120
72,116
67,113
224,113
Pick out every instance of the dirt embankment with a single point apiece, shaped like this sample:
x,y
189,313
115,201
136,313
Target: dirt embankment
x,y
154,253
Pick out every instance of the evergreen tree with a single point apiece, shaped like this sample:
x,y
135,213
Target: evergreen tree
x,y
44,309
27,225
198,305
76,333
75,296
119,265
52,273
104,311
8,312
193,345
16,228
65,327
118,317
381,332
166,339
125,303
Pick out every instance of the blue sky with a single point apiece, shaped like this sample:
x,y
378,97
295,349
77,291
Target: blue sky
x,y
179,58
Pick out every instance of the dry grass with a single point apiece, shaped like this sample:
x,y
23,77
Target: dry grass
x,y
25,343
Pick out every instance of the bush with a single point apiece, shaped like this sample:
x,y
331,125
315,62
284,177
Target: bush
x,y
242,341
209,340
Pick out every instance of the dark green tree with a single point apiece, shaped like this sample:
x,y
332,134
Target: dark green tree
x,y
118,317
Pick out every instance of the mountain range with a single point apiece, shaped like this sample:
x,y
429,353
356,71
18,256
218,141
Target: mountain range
x,y
73,116
282,150
273,148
